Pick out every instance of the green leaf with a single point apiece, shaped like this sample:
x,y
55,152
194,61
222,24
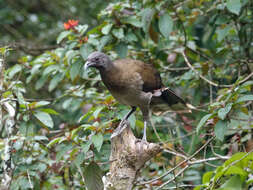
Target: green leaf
x,y
199,187
40,138
39,104
93,40
86,50
203,121
234,6
235,170
97,140
79,159
106,29
207,177
71,54
44,118
63,150
40,83
86,146
93,177
103,41
220,129
222,113
147,16
50,111
62,35
75,69
131,37
121,49
118,33
81,29
97,111
14,70
165,25
41,167
67,103
54,141
23,182
133,20
86,115
55,81
236,156
244,98
222,33
234,183
50,69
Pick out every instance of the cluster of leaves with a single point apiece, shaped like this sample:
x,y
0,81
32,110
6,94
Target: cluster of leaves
x,y
234,174
65,115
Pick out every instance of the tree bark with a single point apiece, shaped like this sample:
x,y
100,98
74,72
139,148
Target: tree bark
x,y
128,156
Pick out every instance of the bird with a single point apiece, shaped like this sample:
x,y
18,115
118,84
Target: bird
x,y
134,83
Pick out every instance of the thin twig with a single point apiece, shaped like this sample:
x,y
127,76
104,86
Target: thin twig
x,y
191,163
156,133
218,155
208,159
29,179
175,153
180,4
246,78
177,69
81,173
172,179
179,164
200,75
180,186
209,81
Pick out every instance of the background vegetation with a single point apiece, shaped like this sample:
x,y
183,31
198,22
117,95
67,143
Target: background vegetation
x,y
56,118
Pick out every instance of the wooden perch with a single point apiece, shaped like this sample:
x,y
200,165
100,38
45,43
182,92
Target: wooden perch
x,y
128,156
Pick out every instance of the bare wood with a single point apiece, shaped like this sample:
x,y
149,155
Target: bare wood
x,y
128,156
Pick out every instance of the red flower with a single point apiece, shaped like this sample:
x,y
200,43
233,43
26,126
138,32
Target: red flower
x,y
70,24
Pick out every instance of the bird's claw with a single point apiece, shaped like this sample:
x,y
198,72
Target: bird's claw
x,y
122,122
141,141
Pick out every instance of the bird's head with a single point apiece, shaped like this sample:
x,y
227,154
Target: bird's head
x,y
98,60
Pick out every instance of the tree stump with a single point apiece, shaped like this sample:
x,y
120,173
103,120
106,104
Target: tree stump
x,y
128,156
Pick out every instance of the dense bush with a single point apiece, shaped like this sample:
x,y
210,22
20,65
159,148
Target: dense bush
x,y
56,118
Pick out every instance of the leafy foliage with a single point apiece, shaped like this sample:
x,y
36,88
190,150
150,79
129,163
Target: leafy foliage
x,y
64,114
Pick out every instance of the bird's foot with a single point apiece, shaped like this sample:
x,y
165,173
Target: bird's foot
x,y
122,122
143,140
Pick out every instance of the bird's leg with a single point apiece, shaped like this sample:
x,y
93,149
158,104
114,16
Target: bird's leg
x,y
145,119
128,115
144,138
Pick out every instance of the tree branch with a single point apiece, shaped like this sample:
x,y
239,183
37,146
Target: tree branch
x,y
128,156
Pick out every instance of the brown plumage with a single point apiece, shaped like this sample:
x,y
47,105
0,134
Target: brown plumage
x,y
133,83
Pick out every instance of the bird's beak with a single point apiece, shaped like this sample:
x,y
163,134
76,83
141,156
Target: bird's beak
x,y
88,64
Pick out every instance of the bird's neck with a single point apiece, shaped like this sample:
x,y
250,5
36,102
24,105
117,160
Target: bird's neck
x,y
107,69
107,74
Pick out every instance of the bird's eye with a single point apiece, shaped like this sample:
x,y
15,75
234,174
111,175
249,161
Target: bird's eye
x,y
96,59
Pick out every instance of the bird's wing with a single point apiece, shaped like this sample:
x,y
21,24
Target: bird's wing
x,y
148,76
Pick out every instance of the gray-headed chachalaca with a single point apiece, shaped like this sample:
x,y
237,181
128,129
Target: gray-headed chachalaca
x,y
133,83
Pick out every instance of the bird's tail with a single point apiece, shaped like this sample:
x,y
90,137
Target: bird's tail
x,y
165,99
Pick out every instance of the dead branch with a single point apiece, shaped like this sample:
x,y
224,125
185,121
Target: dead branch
x,y
128,156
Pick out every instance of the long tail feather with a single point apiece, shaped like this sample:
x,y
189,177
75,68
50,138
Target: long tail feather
x,y
165,98
171,97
